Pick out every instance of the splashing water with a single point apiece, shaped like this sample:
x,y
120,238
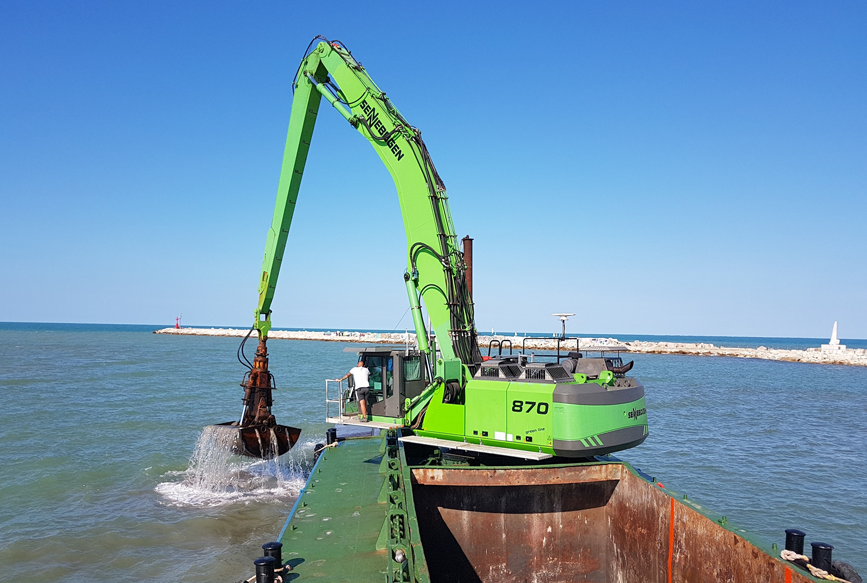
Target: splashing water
x,y
216,476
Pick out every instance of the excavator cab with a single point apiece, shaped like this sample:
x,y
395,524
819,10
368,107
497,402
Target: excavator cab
x,y
396,374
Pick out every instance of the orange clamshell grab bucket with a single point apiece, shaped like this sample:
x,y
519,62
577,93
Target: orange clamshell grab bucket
x,y
257,434
261,441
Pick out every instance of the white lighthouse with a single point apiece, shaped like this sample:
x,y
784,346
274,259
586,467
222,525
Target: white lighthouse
x,y
834,345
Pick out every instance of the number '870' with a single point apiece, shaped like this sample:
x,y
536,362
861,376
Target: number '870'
x,y
528,406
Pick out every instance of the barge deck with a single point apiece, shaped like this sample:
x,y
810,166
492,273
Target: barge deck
x,y
381,508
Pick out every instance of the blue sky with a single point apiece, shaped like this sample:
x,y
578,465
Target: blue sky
x,y
657,168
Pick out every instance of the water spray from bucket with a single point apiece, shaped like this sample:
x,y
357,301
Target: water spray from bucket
x,y
216,475
256,433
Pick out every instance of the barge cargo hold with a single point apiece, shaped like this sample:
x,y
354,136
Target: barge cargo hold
x,y
379,509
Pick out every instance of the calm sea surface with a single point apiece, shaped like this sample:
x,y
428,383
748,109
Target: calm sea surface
x,y
99,424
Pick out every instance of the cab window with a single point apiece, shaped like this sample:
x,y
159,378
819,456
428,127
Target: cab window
x,y
389,378
412,368
375,365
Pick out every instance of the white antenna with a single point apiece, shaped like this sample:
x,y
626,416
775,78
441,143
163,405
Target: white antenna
x,y
563,318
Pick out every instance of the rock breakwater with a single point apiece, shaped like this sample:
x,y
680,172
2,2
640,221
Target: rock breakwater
x,y
516,342
371,337
856,357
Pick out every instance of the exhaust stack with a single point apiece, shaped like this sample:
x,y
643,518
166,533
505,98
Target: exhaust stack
x,y
468,259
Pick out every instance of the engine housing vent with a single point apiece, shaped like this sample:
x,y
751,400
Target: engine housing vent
x,y
510,370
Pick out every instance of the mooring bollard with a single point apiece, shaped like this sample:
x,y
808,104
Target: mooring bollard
x,y
274,549
264,569
795,540
821,555
331,436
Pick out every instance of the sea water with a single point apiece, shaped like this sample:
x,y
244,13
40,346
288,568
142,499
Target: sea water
x,y
107,470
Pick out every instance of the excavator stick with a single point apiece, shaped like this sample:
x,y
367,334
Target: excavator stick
x,y
257,432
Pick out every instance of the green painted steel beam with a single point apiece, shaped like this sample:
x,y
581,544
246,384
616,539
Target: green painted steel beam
x,y
305,107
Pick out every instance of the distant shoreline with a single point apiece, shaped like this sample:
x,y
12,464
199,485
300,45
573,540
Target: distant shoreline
x,y
851,357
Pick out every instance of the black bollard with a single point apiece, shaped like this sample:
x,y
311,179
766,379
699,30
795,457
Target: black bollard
x,y
274,549
821,555
331,436
795,540
264,569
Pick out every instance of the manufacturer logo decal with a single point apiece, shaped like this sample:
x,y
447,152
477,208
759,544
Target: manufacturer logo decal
x,y
636,413
374,123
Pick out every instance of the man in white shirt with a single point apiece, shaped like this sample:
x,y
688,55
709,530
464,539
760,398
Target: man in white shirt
x,y
361,378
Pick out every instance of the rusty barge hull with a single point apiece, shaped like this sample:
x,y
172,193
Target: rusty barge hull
x,y
596,523
394,512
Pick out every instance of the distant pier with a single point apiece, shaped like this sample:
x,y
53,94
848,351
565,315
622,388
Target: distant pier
x,y
855,357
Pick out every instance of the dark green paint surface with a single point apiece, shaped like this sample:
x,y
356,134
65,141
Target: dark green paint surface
x,y
332,535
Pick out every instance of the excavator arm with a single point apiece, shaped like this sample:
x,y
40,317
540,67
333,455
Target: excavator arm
x,y
436,272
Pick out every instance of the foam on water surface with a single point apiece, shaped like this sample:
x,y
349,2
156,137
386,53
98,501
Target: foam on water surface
x,y
216,476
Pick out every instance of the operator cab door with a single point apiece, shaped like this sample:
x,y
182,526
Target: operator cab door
x,y
393,378
375,363
386,388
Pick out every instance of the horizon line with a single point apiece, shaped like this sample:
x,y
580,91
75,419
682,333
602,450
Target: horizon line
x,y
481,333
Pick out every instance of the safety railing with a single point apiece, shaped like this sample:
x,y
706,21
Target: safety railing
x,y
334,396
500,345
561,344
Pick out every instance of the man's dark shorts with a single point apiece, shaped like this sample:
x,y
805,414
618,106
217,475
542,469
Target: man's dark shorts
x,y
361,394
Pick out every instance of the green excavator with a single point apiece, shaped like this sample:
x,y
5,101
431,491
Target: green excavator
x,y
443,390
